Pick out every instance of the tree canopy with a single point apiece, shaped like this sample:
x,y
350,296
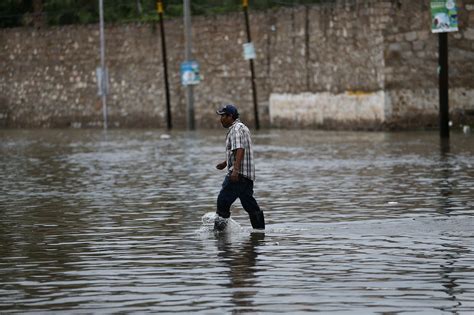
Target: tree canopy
x,y
15,13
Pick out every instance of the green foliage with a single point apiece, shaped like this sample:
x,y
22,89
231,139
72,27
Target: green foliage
x,y
15,13
175,9
11,12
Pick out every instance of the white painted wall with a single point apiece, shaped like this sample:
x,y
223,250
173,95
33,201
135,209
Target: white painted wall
x,y
317,109
314,108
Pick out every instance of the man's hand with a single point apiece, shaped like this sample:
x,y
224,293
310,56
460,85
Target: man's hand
x,y
221,166
239,156
234,177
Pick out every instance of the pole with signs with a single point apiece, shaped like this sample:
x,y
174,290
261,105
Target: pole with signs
x,y
249,53
444,19
159,7
443,85
188,57
102,76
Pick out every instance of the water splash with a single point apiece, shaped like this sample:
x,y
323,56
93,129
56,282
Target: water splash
x,y
208,224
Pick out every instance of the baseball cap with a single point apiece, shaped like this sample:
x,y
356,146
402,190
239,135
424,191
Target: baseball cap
x,y
228,109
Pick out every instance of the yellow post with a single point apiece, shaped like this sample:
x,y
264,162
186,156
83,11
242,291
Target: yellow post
x,y
159,6
245,3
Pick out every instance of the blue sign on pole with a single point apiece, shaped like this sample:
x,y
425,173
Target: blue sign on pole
x,y
190,73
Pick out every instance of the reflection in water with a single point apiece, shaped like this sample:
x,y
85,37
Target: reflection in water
x,y
452,251
450,275
357,223
241,261
446,183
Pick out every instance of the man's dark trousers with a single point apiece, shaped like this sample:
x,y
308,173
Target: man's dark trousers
x,y
242,189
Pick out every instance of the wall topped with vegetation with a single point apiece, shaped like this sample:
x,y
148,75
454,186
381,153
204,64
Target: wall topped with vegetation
x,y
326,58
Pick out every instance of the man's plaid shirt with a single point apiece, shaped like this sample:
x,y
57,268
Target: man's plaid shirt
x,y
238,136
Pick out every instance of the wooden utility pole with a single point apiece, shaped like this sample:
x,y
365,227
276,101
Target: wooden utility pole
x,y
165,65
444,19
245,5
443,85
103,76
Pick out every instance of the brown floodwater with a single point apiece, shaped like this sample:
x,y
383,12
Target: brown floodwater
x,y
120,222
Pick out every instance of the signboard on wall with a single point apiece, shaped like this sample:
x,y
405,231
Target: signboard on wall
x,y
249,51
102,76
190,73
444,16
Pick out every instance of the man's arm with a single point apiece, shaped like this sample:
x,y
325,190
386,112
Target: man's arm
x,y
239,156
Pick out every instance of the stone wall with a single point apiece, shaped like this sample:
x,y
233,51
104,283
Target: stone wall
x,y
411,63
339,66
378,50
356,64
48,76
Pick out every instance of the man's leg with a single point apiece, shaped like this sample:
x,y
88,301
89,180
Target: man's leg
x,y
226,198
250,205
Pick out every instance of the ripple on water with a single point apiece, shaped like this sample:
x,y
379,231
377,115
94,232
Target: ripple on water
x,y
357,223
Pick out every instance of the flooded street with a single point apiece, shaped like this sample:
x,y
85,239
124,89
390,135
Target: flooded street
x,y
357,223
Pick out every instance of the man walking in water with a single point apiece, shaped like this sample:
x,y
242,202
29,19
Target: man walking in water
x,y
238,182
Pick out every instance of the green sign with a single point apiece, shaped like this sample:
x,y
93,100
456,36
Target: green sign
x,y
444,16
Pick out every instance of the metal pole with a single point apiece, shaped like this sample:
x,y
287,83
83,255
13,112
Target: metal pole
x,y
102,63
165,65
188,57
443,85
252,70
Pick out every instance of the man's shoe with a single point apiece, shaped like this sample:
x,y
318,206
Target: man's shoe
x,y
220,224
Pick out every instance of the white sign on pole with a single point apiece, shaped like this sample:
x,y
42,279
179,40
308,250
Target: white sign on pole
x,y
102,81
249,51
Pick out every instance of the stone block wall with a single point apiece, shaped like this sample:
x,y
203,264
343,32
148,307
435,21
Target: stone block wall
x,y
411,63
368,47
356,64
